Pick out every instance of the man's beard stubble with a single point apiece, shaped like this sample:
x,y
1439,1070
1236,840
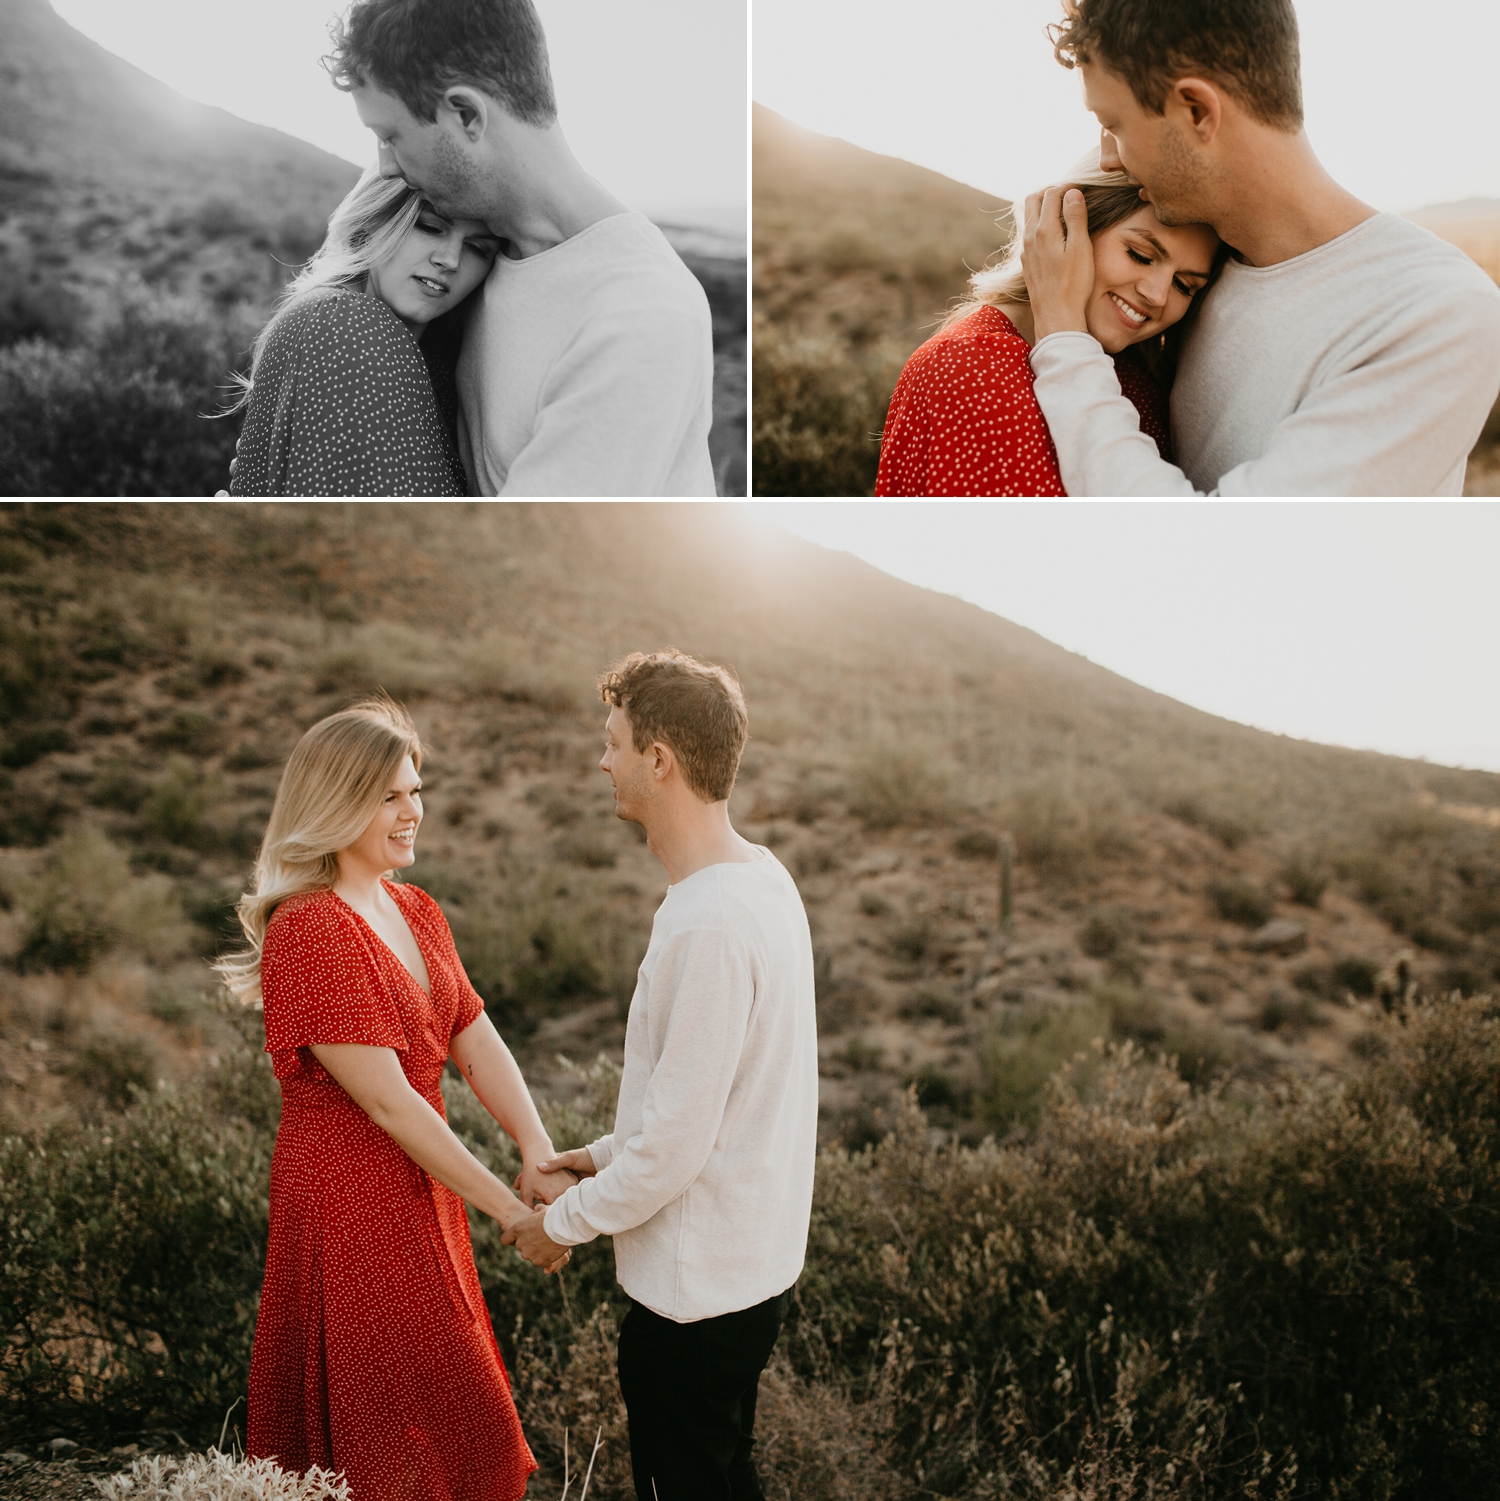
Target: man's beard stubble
x,y
1177,182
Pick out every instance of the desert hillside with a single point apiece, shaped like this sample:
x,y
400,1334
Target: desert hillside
x,y
1473,224
856,258
1238,899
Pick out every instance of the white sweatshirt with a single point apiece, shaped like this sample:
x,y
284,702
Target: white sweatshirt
x,y
1364,367
588,370
706,1181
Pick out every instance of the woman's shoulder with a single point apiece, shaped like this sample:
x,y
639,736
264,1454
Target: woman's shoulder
x,y
317,916
983,339
416,904
342,319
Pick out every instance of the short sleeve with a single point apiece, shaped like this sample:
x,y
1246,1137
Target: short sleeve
x,y
321,984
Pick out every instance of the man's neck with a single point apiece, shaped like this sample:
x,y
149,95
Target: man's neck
x,y
547,197
1280,202
690,837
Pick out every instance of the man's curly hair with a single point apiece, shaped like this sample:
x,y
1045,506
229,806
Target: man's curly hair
x,y
692,706
418,49
1248,46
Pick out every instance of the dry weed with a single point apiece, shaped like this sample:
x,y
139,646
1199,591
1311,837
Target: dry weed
x,y
217,1476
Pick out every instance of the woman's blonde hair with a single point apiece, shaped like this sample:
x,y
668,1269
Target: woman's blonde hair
x,y
332,787
366,228
1110,198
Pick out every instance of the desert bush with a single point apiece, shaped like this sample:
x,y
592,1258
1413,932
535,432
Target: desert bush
x,y
84,900
1193,1259
1065,835
1306,880
889,785
820,407
977,844
592,850
1106,932
122,412
1241,902
111,1070
1292,1013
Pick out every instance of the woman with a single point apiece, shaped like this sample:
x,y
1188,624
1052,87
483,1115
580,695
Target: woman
x,y
964,419
373,1352
351,386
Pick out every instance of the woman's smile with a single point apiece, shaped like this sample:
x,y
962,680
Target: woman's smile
x,y
432,286
1130,314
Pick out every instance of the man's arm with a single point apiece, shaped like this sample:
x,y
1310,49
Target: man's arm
x,y
705,983
618,406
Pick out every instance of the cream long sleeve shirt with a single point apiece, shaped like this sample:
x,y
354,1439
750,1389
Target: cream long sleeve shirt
x,y
1365,367
588,370
706,1181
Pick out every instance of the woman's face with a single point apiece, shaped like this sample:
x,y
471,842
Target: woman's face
x,y
389,841
435,267
1146,275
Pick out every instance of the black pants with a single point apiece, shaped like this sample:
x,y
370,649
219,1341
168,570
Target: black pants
x,y
690,1391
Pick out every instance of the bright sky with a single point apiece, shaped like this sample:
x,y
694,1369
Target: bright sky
x,y
1373,625
1400,96
656,112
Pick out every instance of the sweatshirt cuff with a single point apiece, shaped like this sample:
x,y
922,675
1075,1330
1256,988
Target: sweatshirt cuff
x,y
602,1151
564,1225
1066,348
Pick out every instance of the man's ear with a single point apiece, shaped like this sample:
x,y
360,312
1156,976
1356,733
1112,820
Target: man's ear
x,y
1199,105
662,760
469,108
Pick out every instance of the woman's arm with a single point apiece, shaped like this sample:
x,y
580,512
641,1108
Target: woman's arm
x,y
373,1079
485,1061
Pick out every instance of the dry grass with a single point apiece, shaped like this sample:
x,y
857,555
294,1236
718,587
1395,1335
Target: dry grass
x,y
216,1476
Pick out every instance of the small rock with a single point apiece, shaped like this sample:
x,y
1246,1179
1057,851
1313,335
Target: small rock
x,y
37,1045
1279,936
878,863
125,1451
15,1457
62,1447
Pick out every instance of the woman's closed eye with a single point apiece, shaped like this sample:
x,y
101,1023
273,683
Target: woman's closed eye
x,y
1141,259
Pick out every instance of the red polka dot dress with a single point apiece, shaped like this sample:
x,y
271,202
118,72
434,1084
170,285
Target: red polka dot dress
x,y
374,1353
964,418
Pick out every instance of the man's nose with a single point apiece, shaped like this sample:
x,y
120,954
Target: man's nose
x,y
1109,153
387,157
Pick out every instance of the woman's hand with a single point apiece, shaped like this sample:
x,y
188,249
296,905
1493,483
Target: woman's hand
x,y
1057,258
538,1185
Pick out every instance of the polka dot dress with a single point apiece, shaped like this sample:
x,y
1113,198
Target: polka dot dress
x,y
964,418
343,405
374,1353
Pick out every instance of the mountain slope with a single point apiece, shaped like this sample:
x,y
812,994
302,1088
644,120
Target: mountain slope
x,y
73,114
159,662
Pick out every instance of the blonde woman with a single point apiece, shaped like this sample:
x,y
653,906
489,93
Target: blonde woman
x,y
351,390
964,419
374,1353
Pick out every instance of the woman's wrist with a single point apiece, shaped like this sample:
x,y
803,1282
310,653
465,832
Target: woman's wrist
x,y
536,1149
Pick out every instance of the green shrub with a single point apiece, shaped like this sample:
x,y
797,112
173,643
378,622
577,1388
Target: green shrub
x,y
1294,1013
820,407
123,411
1105,933
1231,827
109,1070
84,901
1188,1264
1356,975
1026,1049
1241,902
911,941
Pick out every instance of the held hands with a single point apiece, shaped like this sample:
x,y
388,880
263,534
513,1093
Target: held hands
x,y
542,1182
526,1233
1057,258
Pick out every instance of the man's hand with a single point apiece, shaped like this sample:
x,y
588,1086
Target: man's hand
x,y
579,1162
1057,257
535,1184
526,1234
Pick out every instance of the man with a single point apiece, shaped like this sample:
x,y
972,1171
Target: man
x,y
1342,352
706,1181
587,365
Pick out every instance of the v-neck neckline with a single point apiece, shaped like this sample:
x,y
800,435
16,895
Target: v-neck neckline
x,y
359,918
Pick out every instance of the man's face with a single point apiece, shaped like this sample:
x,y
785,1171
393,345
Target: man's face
x,y
1152,148
629,770
427,154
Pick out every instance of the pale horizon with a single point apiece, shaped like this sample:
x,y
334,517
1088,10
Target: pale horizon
x,y
1369,625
